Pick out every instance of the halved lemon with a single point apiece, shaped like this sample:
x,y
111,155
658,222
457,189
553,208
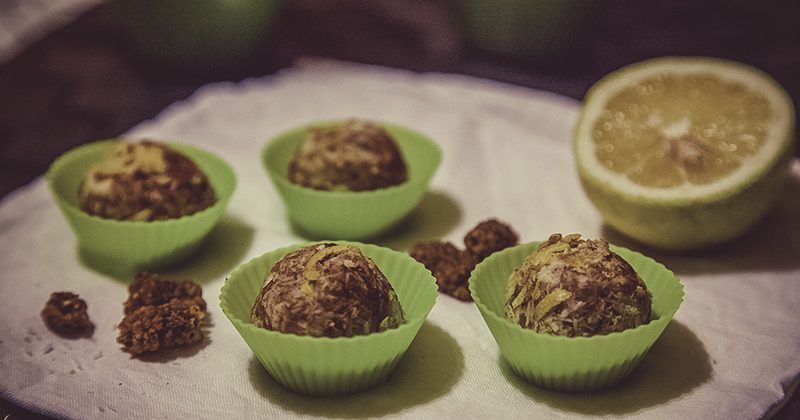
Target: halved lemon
x,y
683,153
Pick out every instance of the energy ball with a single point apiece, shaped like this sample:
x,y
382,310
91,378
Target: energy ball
x,y
351,156
489,237
326,290
574,287
145,181
65,313
449,265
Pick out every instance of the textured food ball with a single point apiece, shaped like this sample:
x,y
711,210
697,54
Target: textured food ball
x,y
326,290
489,237
65,313
574,287
449,265
145,181
351,156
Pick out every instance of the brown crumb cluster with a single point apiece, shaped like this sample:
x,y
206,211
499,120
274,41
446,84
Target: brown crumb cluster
x,y
161,314
449,265
156,327
489,237
148,289
65,313
452,266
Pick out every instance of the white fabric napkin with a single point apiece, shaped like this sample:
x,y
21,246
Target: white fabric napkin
x,y
729,353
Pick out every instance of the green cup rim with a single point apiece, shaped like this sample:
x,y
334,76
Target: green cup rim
x,y
664,318
223,195
414,179
280,253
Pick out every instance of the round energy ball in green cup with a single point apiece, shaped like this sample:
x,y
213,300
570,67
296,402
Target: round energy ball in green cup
x,y
137,242
576,287
348,211
578,362
327,290
325,365
353,155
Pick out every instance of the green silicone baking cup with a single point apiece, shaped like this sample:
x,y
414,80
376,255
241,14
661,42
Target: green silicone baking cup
x,y
323,365
351,215
572,363
129,244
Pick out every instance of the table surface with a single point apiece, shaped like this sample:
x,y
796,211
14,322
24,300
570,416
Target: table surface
x,y
84,82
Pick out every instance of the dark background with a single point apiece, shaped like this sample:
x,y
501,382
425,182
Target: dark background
x,y
86,82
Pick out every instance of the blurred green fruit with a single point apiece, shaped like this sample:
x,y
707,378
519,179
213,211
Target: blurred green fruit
x,y
196,32
525,27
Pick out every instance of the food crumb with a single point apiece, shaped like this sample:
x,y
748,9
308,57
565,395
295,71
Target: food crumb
x,y
449,265
452,266
161,314
65,313
150,289
489,237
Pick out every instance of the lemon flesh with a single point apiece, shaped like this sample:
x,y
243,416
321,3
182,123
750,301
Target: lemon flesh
x,y
683,153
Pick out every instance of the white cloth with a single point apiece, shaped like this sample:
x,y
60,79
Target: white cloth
x,y
729,352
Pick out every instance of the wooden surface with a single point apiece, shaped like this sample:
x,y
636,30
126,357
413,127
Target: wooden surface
x,y
85,82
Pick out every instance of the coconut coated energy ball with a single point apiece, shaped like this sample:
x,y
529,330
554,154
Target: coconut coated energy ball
x,y
145,181
351,156
574,287
326,290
